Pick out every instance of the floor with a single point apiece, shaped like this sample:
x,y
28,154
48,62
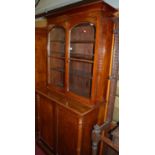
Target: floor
x,y
39,151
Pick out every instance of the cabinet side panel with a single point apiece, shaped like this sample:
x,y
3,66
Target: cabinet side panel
x,y
108,38
103,55
108,35
36,116
40,56
46,121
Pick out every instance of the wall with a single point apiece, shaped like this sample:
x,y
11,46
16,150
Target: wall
x,y
114,3
40,22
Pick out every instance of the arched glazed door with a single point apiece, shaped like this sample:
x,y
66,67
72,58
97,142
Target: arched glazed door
x,y
56,57
81,58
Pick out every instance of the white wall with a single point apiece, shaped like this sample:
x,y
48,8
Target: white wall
x,y
46,5
114,3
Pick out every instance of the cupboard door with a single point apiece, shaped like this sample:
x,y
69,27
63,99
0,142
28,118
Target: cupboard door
x,y
67,132
56,57
81,59
46,121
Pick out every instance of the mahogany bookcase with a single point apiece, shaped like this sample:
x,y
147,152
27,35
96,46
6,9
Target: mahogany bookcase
x,y
73,65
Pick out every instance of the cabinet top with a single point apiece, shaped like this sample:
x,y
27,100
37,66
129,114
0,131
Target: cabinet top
x,y
80,7
68,103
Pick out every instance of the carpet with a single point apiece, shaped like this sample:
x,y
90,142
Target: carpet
x,y
39,151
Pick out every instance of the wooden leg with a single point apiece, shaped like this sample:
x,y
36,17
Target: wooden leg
x,y
96,136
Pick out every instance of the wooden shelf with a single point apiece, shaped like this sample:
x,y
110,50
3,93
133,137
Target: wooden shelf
x,y
56,52
82,60
59,41
81,56
83,42
57,57
82,74
59,84
57,69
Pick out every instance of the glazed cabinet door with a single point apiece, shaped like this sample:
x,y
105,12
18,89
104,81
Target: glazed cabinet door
x,y
82,46
56,57
45,111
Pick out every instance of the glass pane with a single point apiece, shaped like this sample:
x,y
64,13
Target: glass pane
x,y
57,63
57,49
81,59
56,57
57,78
83,41
83,32
57,34
82,51
80,78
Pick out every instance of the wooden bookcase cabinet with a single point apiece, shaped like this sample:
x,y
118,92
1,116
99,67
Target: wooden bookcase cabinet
x,y
73,59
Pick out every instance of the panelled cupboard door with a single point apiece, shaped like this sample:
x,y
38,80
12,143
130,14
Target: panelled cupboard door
x,y
67,132
46,121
